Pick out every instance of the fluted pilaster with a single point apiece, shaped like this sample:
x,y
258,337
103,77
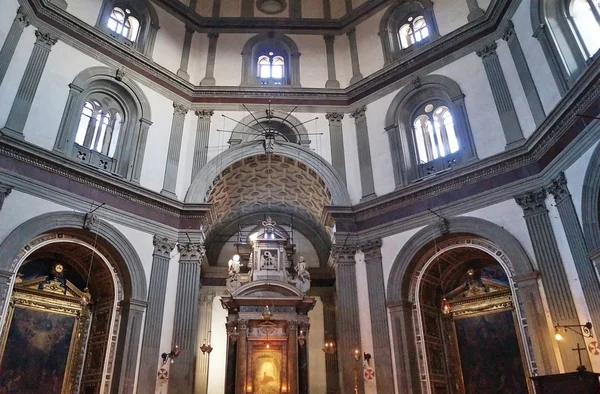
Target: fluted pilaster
x,y
336,135
12,39
202,137
29,83
209,78
185,327
172,166
204,334
331,362
396,152
292,374
364,154
332,81
502,98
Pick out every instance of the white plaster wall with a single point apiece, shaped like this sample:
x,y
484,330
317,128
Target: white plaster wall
x,y
312,9
142,243
198,55
343,65
313,61
317,378
169,41
470,75
230,8
351,155
364,315
338,8
516,89
184,172
575,175
320,143
218,357
381,158
540,70
205,7
450,15
86,10
228,61
217,140
484,4
370,52
390,248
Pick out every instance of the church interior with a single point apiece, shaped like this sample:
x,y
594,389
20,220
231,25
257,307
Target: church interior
x,y
299,196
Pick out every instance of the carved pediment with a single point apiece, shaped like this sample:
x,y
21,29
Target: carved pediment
x,y
54,286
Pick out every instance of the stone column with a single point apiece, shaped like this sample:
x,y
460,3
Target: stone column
x,y
202,136
209,78
154,316
216,12
242,357
364,154
531,92
348,320
379,320
327,9
172,166
554,278
185,54
396,151
204,324
356,75
336,135
292,375
5,190
332,81
29,84
12,39
502,98
407,360
584,266
185,327
331,363
474,11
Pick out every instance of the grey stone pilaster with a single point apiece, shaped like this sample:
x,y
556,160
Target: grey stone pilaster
x,y
531,92
338,159
295,9
172,166
504,103
584,266
407,360
204,323
216,12
331,362
132,313
561,76
348,4
29,84
475,12
348,320
185,327
5,190
185,54
396,152
379,320
364,154
247,8
202,136
193,5
154,315
356,75
209,78
332,81
327,9
12,39
554,278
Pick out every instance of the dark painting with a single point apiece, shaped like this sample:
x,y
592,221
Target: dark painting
x,y
490,357
36,352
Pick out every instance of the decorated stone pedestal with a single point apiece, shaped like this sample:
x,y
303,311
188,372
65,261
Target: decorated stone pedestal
x,y
584,382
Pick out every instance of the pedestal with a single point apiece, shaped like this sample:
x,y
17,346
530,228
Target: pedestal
x,y
574,382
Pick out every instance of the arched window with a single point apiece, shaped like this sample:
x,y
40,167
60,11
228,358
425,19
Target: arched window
x,y
585,16
270,59
428,129
105,123
407,27
132,22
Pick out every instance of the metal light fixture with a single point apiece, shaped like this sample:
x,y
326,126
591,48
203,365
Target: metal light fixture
x,y
329,347
172,355
356,354
586,330
446,307
206,348
302,337
266,313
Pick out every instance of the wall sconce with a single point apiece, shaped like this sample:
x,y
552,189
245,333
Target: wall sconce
x,y
356,354
249,388
302,338
446,307
586,330
233,334
329,347
171,355
284,389
266,313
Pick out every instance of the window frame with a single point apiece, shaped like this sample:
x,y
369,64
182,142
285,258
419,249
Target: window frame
x,y
280,45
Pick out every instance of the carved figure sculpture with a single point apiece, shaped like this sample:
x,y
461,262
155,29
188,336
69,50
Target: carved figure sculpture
x,y
303,276
233,279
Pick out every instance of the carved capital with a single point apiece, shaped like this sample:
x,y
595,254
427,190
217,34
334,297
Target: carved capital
x,y
242,324
204,114
21,19
509,31
207,299
44,39
5,190
487,52
329,39
162,246
334,117
189,30
359,113
343,254
533,202
179,109
372,250
351,32
213,36
292,325
190,252
558,188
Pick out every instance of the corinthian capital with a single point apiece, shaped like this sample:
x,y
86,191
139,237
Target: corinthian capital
x,y
21,19
359,113
162,246
179,109
343,253
334,117
371,249
533,202
190,252
44,39
558,188
488,51
204,114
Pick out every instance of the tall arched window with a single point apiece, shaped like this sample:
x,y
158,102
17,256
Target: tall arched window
x,y
434,133
270,59
586,17
414,31
123,23
99,127
271,69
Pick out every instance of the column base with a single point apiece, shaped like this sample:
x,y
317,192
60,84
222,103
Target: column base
x,y
356,78
5,131
208,81
168,193
183,74
332,84
475,14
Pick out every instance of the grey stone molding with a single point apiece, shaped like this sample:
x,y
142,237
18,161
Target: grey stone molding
x,y
585,269
547,255
347,317
204,324
5,190
332,82
364,154
202,138
590,201
356,75
12,39
185,329
502,98
29,84
185,54
379,315
336,136
276,42
475,12
154,315
174,151
129,267
209,78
